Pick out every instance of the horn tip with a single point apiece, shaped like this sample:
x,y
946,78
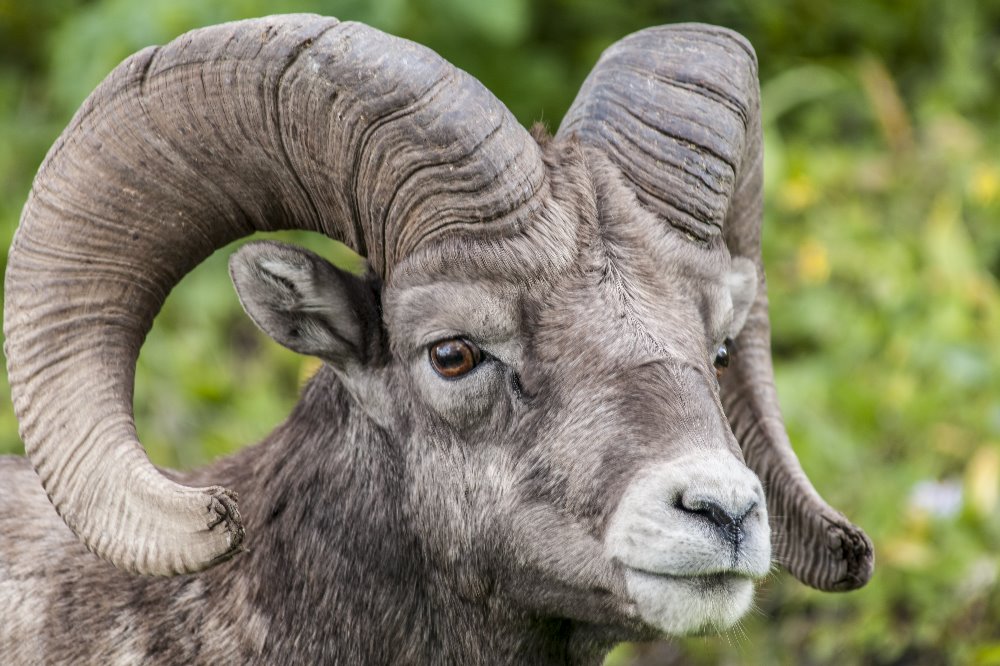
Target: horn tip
x,y
857,554
224,514
213,537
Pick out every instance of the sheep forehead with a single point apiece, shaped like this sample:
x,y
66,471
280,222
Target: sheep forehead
x,y
624,276
647,301
655,303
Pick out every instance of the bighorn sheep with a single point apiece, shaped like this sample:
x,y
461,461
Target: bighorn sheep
x,y
517,449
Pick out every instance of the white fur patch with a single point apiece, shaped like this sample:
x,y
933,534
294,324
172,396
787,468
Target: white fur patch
x,y
680,606
680,570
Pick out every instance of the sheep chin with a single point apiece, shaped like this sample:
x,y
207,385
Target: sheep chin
x,y
681,605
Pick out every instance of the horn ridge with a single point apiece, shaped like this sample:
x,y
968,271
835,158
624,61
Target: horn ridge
x,y
293,121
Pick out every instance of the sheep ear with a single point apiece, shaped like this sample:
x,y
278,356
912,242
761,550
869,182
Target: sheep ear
x,y
306,304
742,281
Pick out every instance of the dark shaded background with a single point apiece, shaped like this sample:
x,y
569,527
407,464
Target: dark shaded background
x,y
882,245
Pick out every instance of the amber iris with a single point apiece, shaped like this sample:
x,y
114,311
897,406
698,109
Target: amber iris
x,y
455,357
722,358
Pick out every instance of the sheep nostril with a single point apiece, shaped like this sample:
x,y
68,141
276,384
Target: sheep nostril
x,y
730,525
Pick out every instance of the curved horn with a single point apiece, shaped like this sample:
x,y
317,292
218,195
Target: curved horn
x,y
677,110
285,122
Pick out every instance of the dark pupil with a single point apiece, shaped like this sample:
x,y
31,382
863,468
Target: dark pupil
x,y
722,357
452,355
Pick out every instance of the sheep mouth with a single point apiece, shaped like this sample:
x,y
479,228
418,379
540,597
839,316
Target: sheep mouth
x,y
707,583
710,583
689,604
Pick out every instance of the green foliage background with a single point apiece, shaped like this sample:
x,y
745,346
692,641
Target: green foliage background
x,y
882,246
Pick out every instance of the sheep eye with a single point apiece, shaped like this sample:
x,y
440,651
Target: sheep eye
x,y
455,357
722,358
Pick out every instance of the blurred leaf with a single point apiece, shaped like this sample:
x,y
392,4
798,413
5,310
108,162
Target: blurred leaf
x,y
502,21
982,480
887,105
987,655
795,87
985,184
813,262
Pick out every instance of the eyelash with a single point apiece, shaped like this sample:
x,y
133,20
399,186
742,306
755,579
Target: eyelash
x,y
518,388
